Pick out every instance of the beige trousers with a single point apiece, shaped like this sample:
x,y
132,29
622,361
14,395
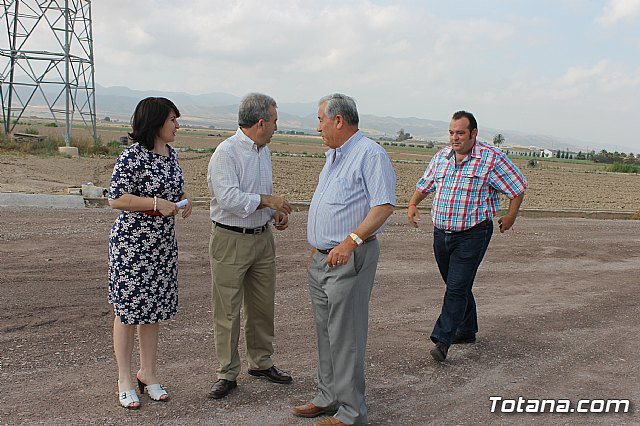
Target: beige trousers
x,y
243,272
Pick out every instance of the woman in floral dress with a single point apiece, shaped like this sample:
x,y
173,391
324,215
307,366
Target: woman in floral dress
x,y
146,184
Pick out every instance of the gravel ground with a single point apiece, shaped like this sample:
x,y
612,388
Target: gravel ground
x,y
558,310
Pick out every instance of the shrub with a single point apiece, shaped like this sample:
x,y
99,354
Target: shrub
x,y
624,168
54,124
88,147
31,131
48,146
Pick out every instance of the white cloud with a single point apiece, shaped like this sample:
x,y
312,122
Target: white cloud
x,y
611,85
420,58
324,42
619,10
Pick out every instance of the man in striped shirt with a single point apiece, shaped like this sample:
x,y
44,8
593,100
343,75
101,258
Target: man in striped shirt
x,y
467,178
241,247
354,197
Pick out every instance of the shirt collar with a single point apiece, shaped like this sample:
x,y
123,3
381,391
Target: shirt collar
x,y
475,152
245,141
345,147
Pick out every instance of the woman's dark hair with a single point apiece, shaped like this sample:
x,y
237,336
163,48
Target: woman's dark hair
x,y
148,118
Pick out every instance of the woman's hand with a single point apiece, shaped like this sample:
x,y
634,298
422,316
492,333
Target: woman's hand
x,y
187,209
166,207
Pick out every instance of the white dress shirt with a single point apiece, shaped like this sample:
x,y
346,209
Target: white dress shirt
x,y
239,172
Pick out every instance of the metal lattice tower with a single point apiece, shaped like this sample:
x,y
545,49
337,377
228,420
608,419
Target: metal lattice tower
x,y
48,57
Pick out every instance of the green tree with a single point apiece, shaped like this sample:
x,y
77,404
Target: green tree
x,y
498,140
402,136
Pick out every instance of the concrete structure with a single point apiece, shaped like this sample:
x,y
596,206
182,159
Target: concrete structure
x,y
71,151
13,199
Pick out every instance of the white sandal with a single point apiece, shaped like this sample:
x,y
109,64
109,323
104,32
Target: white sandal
x,y
128,399
156,391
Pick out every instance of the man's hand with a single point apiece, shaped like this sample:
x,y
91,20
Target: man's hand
x,y
313,251
340,254
413,215
275,202
281,221
506,222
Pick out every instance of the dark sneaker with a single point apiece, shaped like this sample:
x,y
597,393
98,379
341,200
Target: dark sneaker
x,y
439,353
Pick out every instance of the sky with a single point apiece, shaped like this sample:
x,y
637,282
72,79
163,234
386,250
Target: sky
x,y
566,68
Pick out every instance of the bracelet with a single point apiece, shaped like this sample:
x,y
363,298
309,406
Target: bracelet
x,y
155,203
414,205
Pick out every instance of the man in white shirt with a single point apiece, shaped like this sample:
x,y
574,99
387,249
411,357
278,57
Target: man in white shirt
x,y
241,248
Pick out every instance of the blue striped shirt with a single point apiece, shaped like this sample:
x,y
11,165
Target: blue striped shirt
x,y
360,177
238,173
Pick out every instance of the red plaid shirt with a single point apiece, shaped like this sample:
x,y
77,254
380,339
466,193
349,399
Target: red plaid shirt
x,y
468,193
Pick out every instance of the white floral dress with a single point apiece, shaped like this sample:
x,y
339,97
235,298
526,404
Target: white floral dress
x,y
143,251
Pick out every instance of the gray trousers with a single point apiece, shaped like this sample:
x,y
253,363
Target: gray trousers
x,y
340,298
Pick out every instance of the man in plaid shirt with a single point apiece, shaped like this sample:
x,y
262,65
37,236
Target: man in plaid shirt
x,y
467,178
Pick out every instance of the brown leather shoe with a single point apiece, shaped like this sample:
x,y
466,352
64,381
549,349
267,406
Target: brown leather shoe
x,y
330,421
310,410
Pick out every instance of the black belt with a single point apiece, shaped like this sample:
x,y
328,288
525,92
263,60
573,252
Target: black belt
x,y
259,230
482,224
326,251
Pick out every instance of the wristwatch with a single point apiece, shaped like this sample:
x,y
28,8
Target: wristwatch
x,y
355,238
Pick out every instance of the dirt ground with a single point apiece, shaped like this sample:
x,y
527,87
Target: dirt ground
x,y
558,311
551,184
558,307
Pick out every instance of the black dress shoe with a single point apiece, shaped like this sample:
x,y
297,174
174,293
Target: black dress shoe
x,y
439,353
461,339
221,388
273,374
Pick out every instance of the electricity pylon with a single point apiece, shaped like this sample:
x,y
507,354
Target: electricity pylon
x,y
48,58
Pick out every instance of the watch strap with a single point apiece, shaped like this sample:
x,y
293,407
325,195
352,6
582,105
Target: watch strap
x,y
356,238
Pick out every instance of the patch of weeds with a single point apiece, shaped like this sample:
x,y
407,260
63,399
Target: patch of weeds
x,y
624,168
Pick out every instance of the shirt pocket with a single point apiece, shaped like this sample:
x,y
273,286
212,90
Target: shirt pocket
x,y
339,192
440,174
473,180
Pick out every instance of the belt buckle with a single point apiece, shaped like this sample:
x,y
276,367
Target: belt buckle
x,y
258,230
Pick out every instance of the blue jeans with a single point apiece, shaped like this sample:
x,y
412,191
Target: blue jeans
x,y
458,255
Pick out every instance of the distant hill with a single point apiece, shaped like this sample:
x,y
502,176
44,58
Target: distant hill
x,y
221,109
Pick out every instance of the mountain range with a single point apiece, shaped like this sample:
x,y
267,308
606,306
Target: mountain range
x,y
220,110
